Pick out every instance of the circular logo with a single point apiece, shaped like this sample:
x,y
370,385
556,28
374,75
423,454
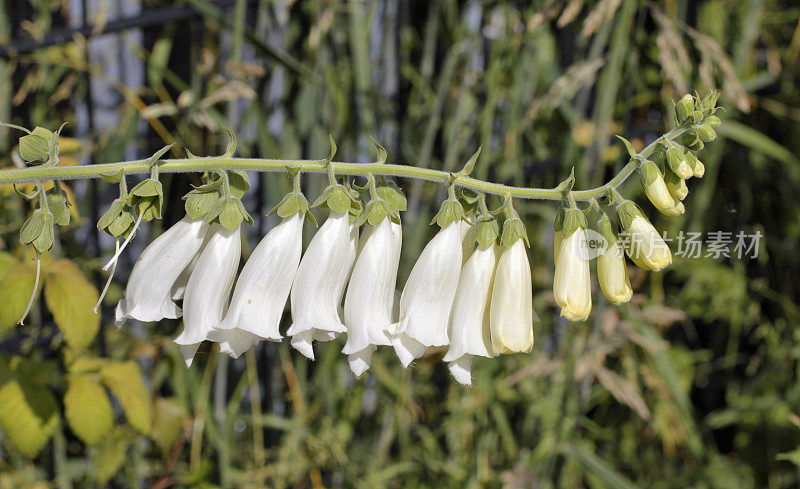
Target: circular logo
x,y
593,246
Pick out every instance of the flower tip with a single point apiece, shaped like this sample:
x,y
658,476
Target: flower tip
x,y
359,361
303,344
407,349
188,352
461,370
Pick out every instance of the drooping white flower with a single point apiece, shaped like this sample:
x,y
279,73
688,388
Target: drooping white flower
x,y
644,245
262,289
148,295
571,286
428,296
469,318
511,314
209,288
320,283
612,273
370,294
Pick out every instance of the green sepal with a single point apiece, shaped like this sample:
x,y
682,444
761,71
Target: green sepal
x,y
470,200
558,222
684,107
713,120
567,184
335,198
696,116
357,206
32,227
606,228
706,133
513,230
153,160
34,148
649,172
691,160
229,212
239,182
44,241
710,100
486,231
59,207
38,230
574,219
451,211
375,212
122,225
627,212
199,202
390,193
675,156
114,210
147,198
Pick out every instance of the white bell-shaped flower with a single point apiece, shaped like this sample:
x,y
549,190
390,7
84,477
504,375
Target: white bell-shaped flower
x,y
612,273
148,295
369,300
262,289
320,283
571,286
511,314
209,288
428,296
469,318
644,245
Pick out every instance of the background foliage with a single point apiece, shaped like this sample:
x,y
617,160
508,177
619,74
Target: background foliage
x,y
692,384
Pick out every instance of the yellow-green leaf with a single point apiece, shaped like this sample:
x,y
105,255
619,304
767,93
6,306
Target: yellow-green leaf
x,y
168,422
16,286
28,416
70,298
125,381
6,262
109,458
87,409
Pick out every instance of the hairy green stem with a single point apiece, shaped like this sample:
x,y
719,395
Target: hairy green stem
x,y
221,163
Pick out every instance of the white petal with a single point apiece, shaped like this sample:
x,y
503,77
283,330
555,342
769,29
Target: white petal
x,y
234,342
359,361
265,281
469,319
320,282
461,370
210,285
148,293
370,295
428,295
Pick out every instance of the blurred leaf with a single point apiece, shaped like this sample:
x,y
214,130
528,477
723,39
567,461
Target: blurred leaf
x,y
70,298
28,416
16,286
109,457
167,423
87,409
125,381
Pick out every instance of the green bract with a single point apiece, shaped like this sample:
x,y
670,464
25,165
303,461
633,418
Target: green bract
x,y
486,231
38,230
292,204
118,220
335,198
230,212
573,220
35,147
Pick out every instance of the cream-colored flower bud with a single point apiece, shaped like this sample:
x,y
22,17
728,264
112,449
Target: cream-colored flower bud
x,y
511,314
644,245
571,286
612,272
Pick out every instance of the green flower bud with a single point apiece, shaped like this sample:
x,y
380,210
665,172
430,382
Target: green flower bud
x,y
676,159
656,188
684,107
450,211
706,133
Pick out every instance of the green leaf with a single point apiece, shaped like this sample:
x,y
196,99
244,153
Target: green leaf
x,y
109,457
87,409
28,416
70,298
470,165
125,381
16,286
167,423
